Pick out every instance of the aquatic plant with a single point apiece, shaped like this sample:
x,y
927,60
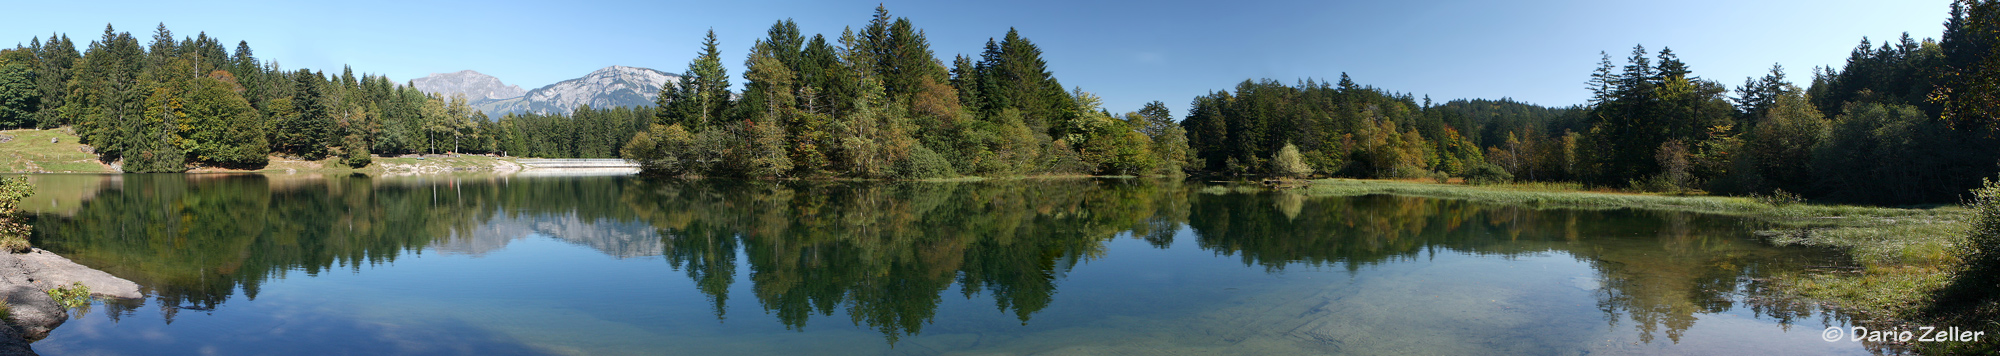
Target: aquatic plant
x,y
76,295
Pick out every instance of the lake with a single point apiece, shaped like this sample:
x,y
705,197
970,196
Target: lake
x,y
609,265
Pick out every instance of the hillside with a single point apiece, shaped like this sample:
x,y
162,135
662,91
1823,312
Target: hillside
x,y
31,151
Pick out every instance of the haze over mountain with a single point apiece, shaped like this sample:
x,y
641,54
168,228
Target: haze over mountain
x,y
612,86
474,85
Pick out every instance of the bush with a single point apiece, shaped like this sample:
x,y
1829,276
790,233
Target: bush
x,y
1974,293
1488,173
355,152
76,295
662,151
13,226
1289,164
1779,197
924,163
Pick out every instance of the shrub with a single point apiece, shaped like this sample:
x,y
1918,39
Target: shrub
x,y
663,151
13,226
924,163
1289,164
1487,173
355,152
1779,197
1975,290
76,295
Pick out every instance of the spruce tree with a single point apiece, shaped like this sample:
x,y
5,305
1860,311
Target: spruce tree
x,y
701,96
308,129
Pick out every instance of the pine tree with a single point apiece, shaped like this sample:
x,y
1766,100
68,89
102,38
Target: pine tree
x,y
308,130
20,100
108,97
55,61
701,97
1970,89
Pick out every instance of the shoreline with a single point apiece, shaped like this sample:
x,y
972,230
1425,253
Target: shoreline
x,y
26,278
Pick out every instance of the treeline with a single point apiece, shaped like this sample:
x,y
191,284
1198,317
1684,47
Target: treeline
x,y
584,133
1905,122
176,104
878,104
1342,129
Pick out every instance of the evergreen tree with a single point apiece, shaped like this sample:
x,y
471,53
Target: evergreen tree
x,y
20,99
700,97
55,61
108,98
307,130
1969,92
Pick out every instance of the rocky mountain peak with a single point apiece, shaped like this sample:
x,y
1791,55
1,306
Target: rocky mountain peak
x,y
612,86
474,85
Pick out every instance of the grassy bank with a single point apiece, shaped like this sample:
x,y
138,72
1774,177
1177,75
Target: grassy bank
x,y
1906,254
31,151
57,151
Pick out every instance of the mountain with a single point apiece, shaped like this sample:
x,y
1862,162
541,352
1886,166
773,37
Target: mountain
x,y
617,239
612,86
475,86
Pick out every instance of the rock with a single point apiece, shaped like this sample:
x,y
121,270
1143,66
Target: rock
x,y
11,343
52,271
25,279
605,88
34,313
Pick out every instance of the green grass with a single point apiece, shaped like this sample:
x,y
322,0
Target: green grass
x,y
30,152
1905,254
12,244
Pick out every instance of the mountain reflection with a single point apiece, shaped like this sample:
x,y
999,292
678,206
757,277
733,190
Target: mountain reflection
x,y
884,254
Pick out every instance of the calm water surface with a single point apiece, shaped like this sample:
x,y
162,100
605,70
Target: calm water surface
x,y
494,265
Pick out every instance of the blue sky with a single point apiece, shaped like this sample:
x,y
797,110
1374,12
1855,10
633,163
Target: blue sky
x,y
1129,52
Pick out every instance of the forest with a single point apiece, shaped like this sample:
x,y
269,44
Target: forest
x,y
878,103
173,105
1902,122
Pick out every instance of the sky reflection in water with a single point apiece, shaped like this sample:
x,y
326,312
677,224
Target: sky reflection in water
x,y
622,265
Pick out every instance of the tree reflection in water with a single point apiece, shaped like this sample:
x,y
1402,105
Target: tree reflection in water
x,y
883,253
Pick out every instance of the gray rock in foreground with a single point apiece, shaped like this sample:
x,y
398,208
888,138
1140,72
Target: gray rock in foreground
x,y
34,313
50,271
11,343
24,281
